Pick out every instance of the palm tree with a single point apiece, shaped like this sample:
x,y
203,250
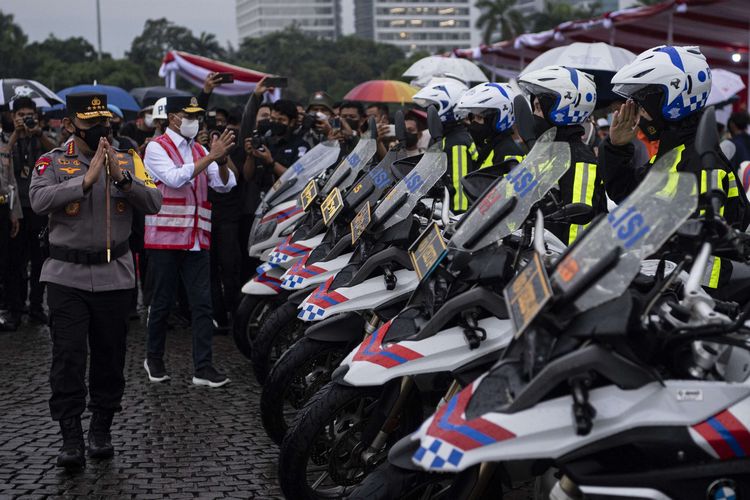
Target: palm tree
x,y
499,15
207,45
555,13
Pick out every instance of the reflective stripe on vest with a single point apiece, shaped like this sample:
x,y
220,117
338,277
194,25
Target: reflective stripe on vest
x,y
460,169
584,185
488,162
185,213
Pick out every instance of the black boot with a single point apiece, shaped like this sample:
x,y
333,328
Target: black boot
x,y
100,439
71,455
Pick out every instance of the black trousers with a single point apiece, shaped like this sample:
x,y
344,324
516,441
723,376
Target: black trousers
x,y
5,248
25,248
226,267
81,321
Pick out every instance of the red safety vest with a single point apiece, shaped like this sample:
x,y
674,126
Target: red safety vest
x,y
185,211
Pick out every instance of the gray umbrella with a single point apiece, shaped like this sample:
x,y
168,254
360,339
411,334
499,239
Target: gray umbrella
x,y
146,96
13,88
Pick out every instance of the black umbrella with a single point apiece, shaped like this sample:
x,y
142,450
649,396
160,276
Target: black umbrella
x,y
13,88
147,96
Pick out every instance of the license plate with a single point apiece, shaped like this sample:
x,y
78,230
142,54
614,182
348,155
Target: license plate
x,y
331,206
308,195
427,252
527,294
360,222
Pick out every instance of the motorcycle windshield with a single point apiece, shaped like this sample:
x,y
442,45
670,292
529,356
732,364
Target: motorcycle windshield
x,y
309,166
528,182
377,180
401,200
636,229
347,171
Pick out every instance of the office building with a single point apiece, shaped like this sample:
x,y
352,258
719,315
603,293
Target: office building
x,y
256,18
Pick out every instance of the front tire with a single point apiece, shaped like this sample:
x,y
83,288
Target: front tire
x,y
321,455
298,374
279,330
250,314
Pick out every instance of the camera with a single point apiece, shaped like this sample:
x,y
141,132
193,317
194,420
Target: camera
x,y
257,140
29,121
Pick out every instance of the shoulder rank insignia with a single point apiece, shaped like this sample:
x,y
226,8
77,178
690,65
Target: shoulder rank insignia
x,y
71,151
42,163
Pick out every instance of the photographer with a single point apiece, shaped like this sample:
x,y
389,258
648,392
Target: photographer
x,y
27,143
280,147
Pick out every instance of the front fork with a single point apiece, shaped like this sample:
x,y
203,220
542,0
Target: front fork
x,y
371,456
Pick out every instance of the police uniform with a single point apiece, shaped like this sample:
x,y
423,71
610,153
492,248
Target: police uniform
x,y
88,291
501,149
9,207
462,154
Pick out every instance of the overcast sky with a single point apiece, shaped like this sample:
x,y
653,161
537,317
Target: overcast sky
x,y
122,20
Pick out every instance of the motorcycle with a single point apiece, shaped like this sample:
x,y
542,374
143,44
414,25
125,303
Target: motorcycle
x,y
416,355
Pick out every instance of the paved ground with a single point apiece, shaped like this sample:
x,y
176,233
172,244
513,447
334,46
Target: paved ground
x,y
172,440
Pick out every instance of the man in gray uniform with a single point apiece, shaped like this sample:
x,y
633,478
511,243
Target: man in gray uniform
x,y
89,190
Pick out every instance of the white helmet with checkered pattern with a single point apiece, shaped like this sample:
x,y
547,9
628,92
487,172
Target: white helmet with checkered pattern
x,y
444,94
491,97
567,95
680,74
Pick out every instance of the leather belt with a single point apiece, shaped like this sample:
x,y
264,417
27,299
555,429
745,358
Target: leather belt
x,y
85,257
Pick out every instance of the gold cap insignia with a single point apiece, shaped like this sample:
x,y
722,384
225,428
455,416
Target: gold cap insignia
x,y
96,102
193,101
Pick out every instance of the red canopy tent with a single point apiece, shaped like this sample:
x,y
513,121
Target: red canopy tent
x,y
720,27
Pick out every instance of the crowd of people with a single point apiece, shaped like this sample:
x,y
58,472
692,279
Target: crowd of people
x,y
190,177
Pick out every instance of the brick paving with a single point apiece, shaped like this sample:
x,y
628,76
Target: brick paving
x,y
172,440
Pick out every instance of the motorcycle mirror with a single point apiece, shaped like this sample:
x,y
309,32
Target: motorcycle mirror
x,y
433,124
400,126
574,213
524,120
372,126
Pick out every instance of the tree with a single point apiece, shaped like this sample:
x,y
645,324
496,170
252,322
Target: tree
x,y
555,13
12,41
499,16
159,36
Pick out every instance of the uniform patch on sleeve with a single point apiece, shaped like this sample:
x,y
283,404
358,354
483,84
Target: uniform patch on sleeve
x,y
42,163
141,172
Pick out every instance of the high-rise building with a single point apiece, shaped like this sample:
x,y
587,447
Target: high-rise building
x,y
259,17
428,25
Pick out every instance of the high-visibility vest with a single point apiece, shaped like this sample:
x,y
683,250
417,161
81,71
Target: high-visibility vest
x,y
720,177
185,211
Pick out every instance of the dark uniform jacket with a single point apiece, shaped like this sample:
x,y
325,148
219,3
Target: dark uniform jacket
x,y
621,178
77,219
500,149
462,154
582,183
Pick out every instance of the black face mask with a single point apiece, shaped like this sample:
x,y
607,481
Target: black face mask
x,y
353,124
92,135
263,126
541,125
220,128
279,129
115,129
481,132
649,129
411,140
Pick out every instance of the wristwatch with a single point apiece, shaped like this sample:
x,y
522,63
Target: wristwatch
x,y
126,180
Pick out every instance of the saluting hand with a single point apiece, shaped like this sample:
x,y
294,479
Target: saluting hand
x,y
96,166
624,124
221,145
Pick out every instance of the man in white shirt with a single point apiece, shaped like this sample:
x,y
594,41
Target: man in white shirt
x,y
178,238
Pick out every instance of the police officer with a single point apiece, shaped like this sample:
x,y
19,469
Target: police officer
x,y
89,272
667,87
445,93
564,98
491,106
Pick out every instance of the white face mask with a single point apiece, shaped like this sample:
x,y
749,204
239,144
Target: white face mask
x,y
189,128
148,120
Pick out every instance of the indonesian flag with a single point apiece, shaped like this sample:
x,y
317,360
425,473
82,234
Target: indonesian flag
x,y
195,69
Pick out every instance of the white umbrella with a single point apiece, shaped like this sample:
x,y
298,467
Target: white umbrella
x,y
585,56
430,66
13,88
724,86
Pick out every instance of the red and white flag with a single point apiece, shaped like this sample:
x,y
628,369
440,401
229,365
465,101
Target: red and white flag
x,y
195,69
